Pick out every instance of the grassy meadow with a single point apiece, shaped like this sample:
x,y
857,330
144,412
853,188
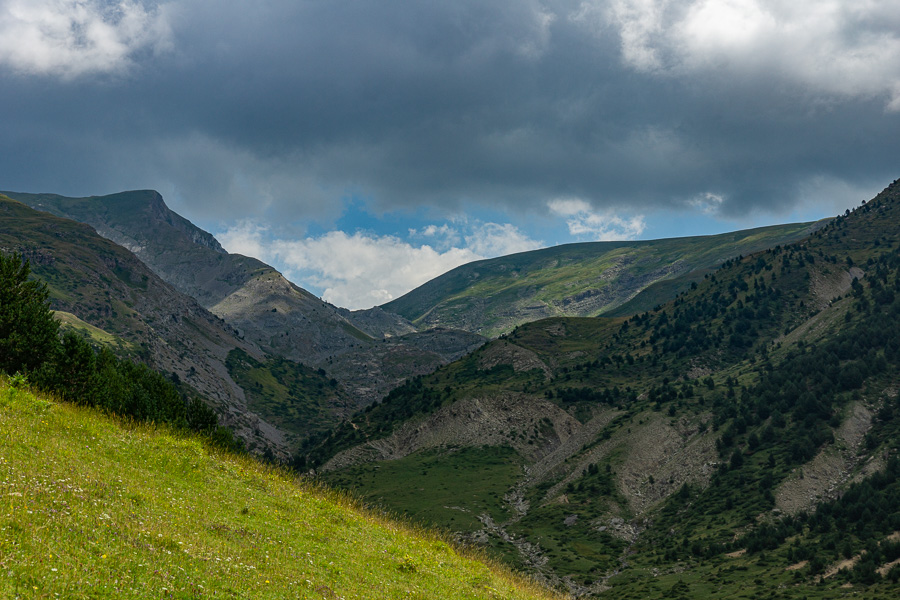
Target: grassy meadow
x,y
450,488
92,507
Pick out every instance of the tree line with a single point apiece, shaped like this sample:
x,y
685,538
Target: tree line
x,y
70,368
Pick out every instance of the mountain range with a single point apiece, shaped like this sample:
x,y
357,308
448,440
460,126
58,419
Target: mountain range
x,y
267,316
695,417
369,352
106,292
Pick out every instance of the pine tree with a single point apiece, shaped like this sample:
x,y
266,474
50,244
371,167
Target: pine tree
x,y
28,331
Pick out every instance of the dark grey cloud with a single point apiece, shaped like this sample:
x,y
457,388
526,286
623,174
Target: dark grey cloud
x,y
282,109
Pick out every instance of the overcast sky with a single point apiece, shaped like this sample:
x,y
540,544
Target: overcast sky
x,y
363,147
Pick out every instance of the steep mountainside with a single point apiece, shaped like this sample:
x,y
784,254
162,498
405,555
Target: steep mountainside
x,y
96,508
237,288
186,257
493,296
104,290
740,440
280,317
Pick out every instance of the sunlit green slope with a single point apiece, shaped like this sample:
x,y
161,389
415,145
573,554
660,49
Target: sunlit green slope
x,y
92,508
493,296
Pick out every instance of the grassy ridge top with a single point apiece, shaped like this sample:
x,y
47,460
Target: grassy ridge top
x,y
93,508
493,296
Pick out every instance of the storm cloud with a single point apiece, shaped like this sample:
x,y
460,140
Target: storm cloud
x,y
280,110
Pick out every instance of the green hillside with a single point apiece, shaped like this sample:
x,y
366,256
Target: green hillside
x,y
96,508
738,441
493,296
296,398
98,337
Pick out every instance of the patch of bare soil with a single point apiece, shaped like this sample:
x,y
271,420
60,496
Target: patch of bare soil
x,y
822,321
851,562
883,569
738,553
855,426
501,419
832,468
660,457
844,564
811,483
519,358
797,566
827,282
554,459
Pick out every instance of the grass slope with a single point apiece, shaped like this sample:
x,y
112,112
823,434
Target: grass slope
x,y
449,488
97,336
492,296
94,508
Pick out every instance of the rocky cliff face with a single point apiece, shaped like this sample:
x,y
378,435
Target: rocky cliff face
x,y
183,255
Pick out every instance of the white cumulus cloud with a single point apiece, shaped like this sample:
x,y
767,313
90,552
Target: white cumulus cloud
x,y
496,239
708,203
245,238
362,270
585,222
70,38
842,48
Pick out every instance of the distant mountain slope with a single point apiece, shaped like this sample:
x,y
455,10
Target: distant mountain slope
x,y
187,257
104,286
238,288
280,317
739,440
492,296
